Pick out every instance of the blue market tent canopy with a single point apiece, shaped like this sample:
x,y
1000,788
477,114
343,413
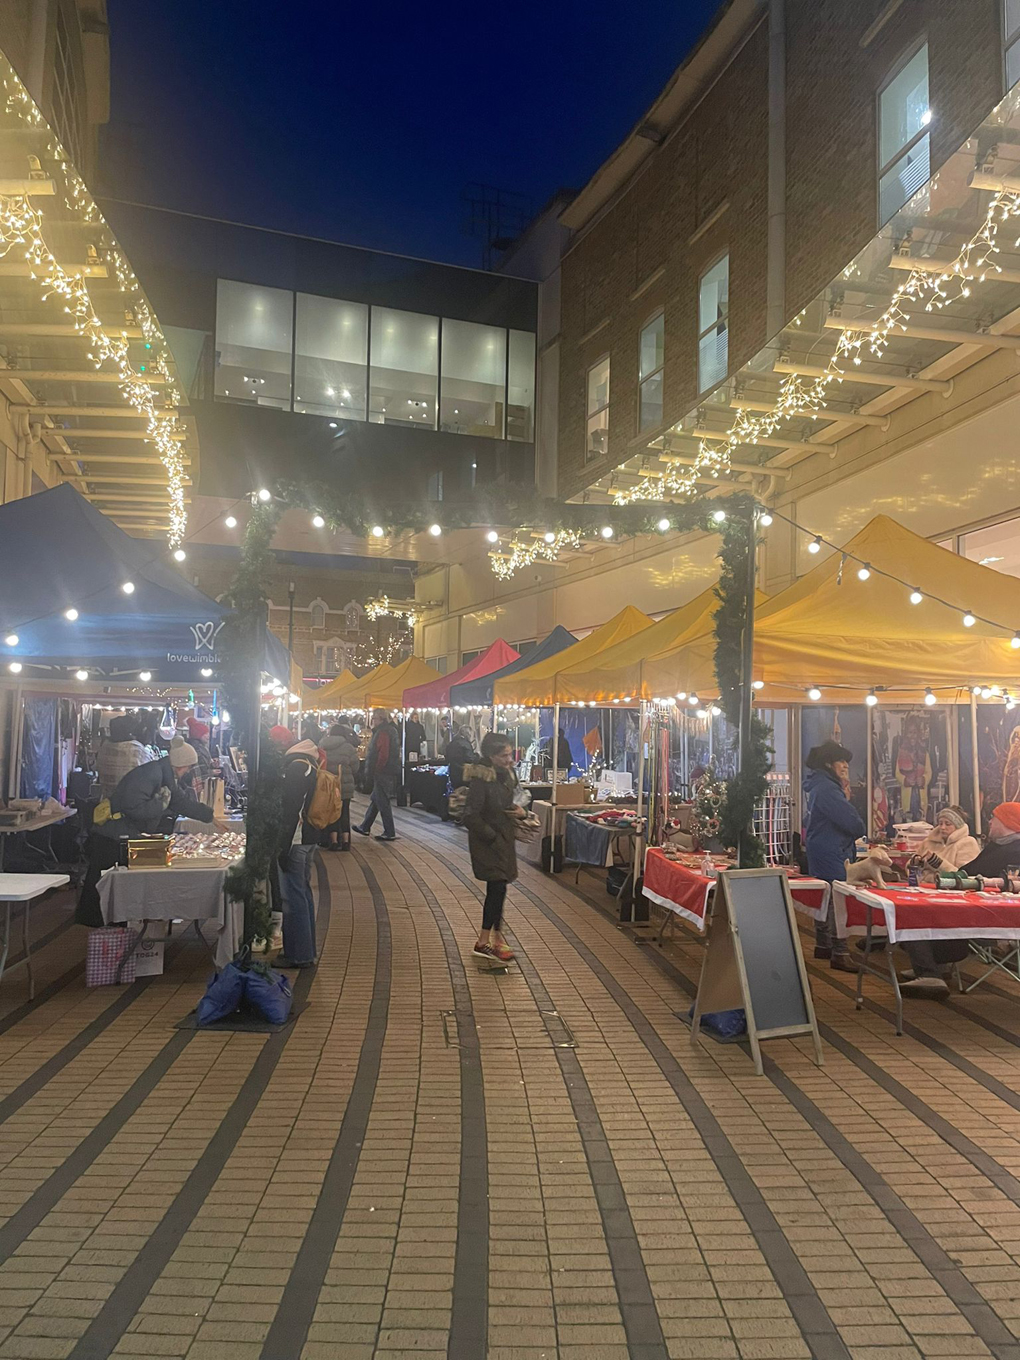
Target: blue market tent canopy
x,y
480,691
58,552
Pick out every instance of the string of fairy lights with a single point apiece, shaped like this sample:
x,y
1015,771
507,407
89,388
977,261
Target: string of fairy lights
x,y
21,228
798,398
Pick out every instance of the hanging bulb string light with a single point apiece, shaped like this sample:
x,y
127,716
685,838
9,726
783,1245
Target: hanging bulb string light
x,y
797,399
165,555
866,570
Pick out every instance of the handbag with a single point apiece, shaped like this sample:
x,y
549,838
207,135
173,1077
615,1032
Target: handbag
x,y
222,996
268,993
106,946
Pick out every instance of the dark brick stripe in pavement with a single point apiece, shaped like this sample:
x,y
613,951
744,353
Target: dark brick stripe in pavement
x,y
819,1331
289,1330
469,1315
112,1321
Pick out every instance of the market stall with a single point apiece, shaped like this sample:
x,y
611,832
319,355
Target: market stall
x,y
480,691
677,882
436,694
329,697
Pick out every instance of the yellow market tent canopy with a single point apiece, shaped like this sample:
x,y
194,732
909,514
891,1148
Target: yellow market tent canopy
x,y
331,695
354,695
618,674
387,691
849,636
539,684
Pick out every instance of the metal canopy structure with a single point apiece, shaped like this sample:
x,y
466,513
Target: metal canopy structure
x,y
66,392
937,243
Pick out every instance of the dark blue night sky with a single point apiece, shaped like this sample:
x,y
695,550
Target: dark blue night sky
x,y
364,122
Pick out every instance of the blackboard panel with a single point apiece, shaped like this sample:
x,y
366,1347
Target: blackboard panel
x,y
770,955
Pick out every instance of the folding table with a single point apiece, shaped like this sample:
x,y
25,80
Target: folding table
x,y
24,888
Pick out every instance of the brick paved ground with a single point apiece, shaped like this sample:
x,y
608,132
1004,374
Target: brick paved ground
x,y
439,1162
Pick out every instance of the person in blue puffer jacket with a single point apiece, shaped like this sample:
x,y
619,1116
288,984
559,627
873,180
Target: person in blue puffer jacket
x,y
833,826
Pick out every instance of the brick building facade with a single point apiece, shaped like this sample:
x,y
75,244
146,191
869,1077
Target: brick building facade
x,y
703,192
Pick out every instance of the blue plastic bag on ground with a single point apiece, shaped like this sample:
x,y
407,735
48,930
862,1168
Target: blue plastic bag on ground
x,y
222,995
723,1024
269,994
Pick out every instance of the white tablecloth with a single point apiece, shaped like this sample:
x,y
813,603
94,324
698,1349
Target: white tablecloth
x,y
175,895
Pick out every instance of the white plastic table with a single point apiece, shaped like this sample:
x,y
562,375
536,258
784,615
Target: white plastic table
x,y
39,823
24,888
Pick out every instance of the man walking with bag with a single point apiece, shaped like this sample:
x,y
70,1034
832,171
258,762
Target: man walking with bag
x,y
382,767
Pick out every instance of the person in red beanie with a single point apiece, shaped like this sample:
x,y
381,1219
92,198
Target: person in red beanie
x,y
933,960
282,736
198,737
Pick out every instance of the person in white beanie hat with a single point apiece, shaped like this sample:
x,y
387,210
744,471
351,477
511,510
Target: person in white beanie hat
x,y
148,799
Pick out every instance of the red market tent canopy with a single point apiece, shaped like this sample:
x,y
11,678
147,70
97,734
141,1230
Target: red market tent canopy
x,y
436,694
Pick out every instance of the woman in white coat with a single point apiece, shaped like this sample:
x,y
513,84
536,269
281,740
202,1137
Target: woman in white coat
x,y
950,846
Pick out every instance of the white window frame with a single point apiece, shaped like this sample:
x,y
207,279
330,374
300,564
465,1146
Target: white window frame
x,y
590,415
313,606
1010,43
659,315
723,320
923,133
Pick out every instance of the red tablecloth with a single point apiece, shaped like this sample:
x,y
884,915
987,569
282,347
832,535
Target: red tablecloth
x,y
927,913
685,891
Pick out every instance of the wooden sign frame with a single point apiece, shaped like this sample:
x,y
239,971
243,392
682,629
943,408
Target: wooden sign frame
x,y
724,984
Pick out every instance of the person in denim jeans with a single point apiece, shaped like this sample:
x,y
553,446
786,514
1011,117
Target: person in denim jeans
x,y
382,766
297,854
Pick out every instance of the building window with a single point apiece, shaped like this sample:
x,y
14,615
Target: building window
x,y
468,657
66,98
525,647
597,439
405,368
713,324
650,350
1011,18
904,158
352,618
438,663
474,379
996,545
254,341
520,401
318,614
331,357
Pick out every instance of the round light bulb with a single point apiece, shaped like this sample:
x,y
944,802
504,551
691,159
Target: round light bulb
x,y
693,700
11,640
916,597
863,573
815,545
231,521
764,519
550,537
492,536
70,614
986,692
814,693
716,711
377,531
179,554
969,620
318,522
607,531
81,675
15,668
757,684
145,676
701,713
718,516
1014,641
128,587
206,672
871,698
663,525
929,698
435,530
265,495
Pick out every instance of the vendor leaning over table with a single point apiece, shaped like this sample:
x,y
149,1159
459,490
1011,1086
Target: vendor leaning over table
x,y
833,826
148,799
932,960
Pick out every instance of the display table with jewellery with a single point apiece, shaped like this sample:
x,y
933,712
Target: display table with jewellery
x,y
190,887
24,888
902,914
675,881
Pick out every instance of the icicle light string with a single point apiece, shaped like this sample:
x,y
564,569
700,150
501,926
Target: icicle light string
x,y
21,226
797,398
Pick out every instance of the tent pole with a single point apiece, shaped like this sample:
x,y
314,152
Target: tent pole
x,y
641,758
555,759
975,763
747,666
871,772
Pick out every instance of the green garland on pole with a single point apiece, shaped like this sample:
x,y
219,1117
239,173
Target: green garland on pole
x,y
748,785
240,638
241,643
